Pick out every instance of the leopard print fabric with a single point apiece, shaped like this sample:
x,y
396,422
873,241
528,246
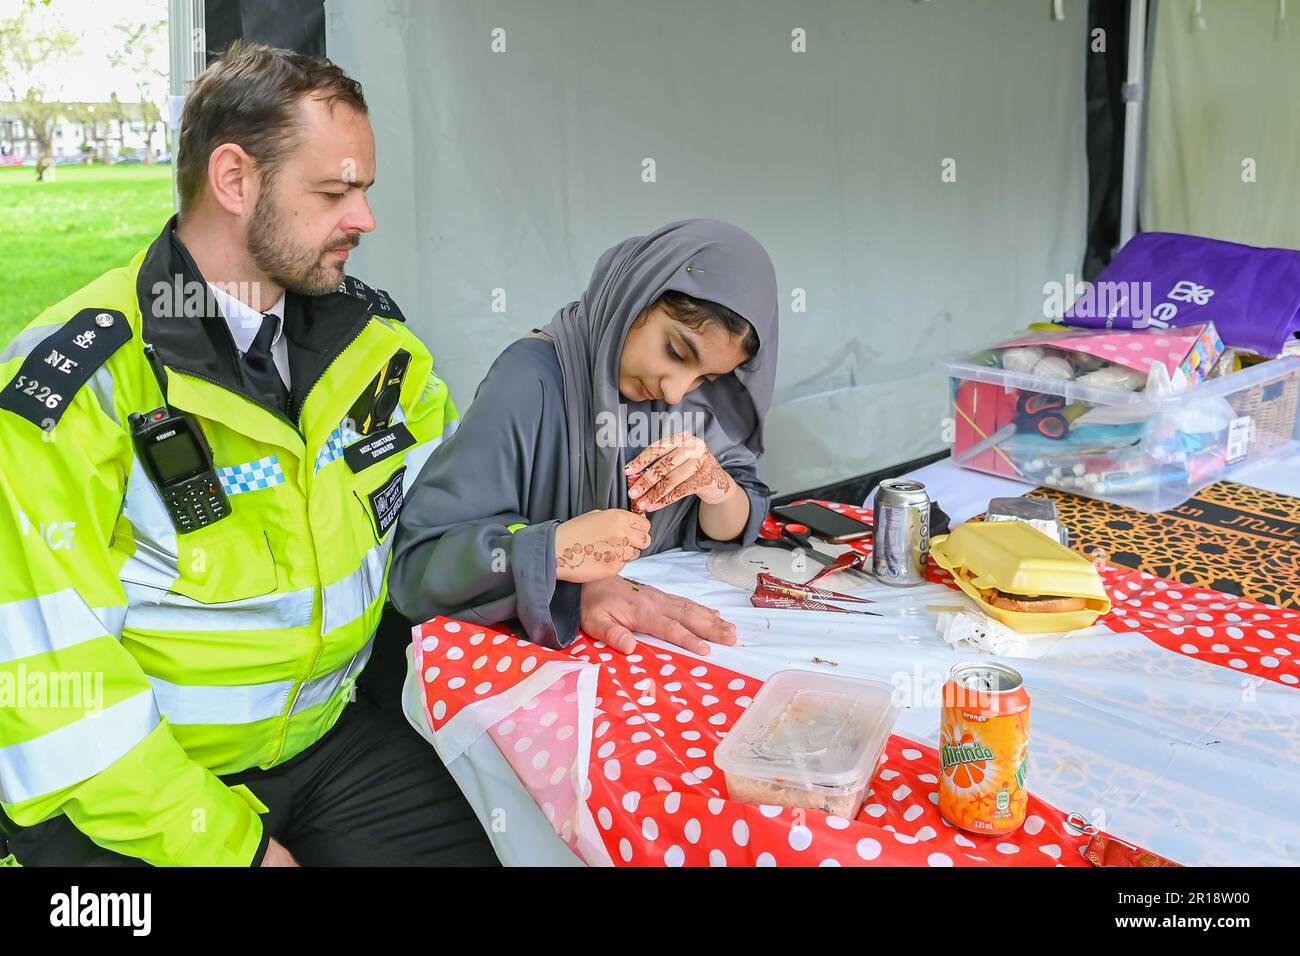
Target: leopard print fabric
x,y
1230,537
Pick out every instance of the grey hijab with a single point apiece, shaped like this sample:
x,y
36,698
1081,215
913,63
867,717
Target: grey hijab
x,y
705,259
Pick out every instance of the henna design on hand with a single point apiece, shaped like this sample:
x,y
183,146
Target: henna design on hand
x,y
603,550
709,481
711,474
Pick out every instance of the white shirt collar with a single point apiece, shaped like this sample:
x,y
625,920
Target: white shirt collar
x,y
244,320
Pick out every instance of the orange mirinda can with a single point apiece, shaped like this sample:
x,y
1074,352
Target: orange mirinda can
x,y
984,748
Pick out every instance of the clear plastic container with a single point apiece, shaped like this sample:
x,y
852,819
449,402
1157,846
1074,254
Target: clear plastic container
x,y
809,740
1151,453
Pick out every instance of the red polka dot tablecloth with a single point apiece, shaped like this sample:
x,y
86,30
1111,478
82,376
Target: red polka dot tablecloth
x,y
1223,629
651,786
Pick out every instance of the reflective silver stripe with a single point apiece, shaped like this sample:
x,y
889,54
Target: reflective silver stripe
x,y
155,562
101,383
415,459
217,704
449,428
346,600
52,622
246,703
113,619
149,568
153,609
76,752
28,339
321,689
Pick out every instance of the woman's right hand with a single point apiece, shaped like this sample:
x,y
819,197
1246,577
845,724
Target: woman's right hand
x,y
596,545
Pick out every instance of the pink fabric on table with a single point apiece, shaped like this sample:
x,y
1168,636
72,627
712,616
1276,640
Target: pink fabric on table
x,y
1133,348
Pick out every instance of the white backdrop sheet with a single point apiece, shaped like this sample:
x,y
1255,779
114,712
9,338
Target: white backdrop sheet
x,y
503,175
1223,135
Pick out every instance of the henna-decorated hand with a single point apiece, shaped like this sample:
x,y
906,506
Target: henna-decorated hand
x,y
682,465
597,545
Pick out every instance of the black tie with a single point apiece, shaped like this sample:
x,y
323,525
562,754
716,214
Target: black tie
x,y
260,374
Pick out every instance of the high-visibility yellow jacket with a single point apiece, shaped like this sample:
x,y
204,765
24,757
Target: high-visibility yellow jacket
x,y
137,662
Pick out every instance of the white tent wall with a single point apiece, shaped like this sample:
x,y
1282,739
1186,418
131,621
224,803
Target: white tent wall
x,y
1223,133
513,139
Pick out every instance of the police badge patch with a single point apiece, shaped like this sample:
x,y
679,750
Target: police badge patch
x,y
62,363
386,502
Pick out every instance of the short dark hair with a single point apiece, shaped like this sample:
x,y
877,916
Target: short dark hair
x,y
249,97
696,313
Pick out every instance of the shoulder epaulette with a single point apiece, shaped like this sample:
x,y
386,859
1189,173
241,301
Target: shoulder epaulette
x,y
380,302
61,363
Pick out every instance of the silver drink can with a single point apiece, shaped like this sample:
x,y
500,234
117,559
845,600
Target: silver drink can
x,y
902,532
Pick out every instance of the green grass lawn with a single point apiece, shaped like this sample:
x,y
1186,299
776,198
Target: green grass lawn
x,y
55,237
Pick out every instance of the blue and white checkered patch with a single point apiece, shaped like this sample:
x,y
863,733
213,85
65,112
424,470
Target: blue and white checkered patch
x,y
339,438
252,475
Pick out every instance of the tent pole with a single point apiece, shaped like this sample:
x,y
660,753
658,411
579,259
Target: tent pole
x,y
1134,92
187,56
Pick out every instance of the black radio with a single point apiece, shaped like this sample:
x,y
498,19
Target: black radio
x,y
179,462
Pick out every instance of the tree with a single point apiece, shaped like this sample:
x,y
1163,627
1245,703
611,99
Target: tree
x,y
31,46
137,48
117,113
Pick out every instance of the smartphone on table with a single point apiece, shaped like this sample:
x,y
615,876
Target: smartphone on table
x,y
826,524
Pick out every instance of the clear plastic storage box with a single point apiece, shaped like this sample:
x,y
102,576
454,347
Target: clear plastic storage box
x,y
1147,452
809,740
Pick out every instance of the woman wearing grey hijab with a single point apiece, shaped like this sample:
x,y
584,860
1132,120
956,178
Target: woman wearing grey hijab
x,y
630,425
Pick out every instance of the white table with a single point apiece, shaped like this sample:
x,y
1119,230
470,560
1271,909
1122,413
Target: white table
x,y
1174,753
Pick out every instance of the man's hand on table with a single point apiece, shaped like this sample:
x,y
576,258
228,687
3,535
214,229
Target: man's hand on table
x,y
614,608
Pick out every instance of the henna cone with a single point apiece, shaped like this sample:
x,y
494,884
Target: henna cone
x,y
848,561
807,592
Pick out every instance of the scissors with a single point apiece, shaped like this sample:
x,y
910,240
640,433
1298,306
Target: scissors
x,y
795,537
1035,412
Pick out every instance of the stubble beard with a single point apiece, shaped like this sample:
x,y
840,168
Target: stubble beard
x,y
293,267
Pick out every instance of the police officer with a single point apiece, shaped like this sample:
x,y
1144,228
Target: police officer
x,y
204,456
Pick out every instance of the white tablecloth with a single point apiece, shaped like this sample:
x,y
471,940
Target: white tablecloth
x,y
1184,757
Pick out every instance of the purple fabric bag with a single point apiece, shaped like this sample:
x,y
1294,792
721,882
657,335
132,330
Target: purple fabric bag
x,y
1162,279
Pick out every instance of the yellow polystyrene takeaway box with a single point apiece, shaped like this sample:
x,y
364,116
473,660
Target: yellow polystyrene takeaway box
x,y
1020,560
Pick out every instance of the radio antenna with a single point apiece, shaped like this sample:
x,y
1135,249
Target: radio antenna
x,y
155,363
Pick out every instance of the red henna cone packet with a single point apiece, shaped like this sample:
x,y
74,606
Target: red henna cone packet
x,y
773,592
769,598
807,591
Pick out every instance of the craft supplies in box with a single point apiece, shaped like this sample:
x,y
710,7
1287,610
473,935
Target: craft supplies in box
x,y
1114,359
1099,432
1021,577
809,740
